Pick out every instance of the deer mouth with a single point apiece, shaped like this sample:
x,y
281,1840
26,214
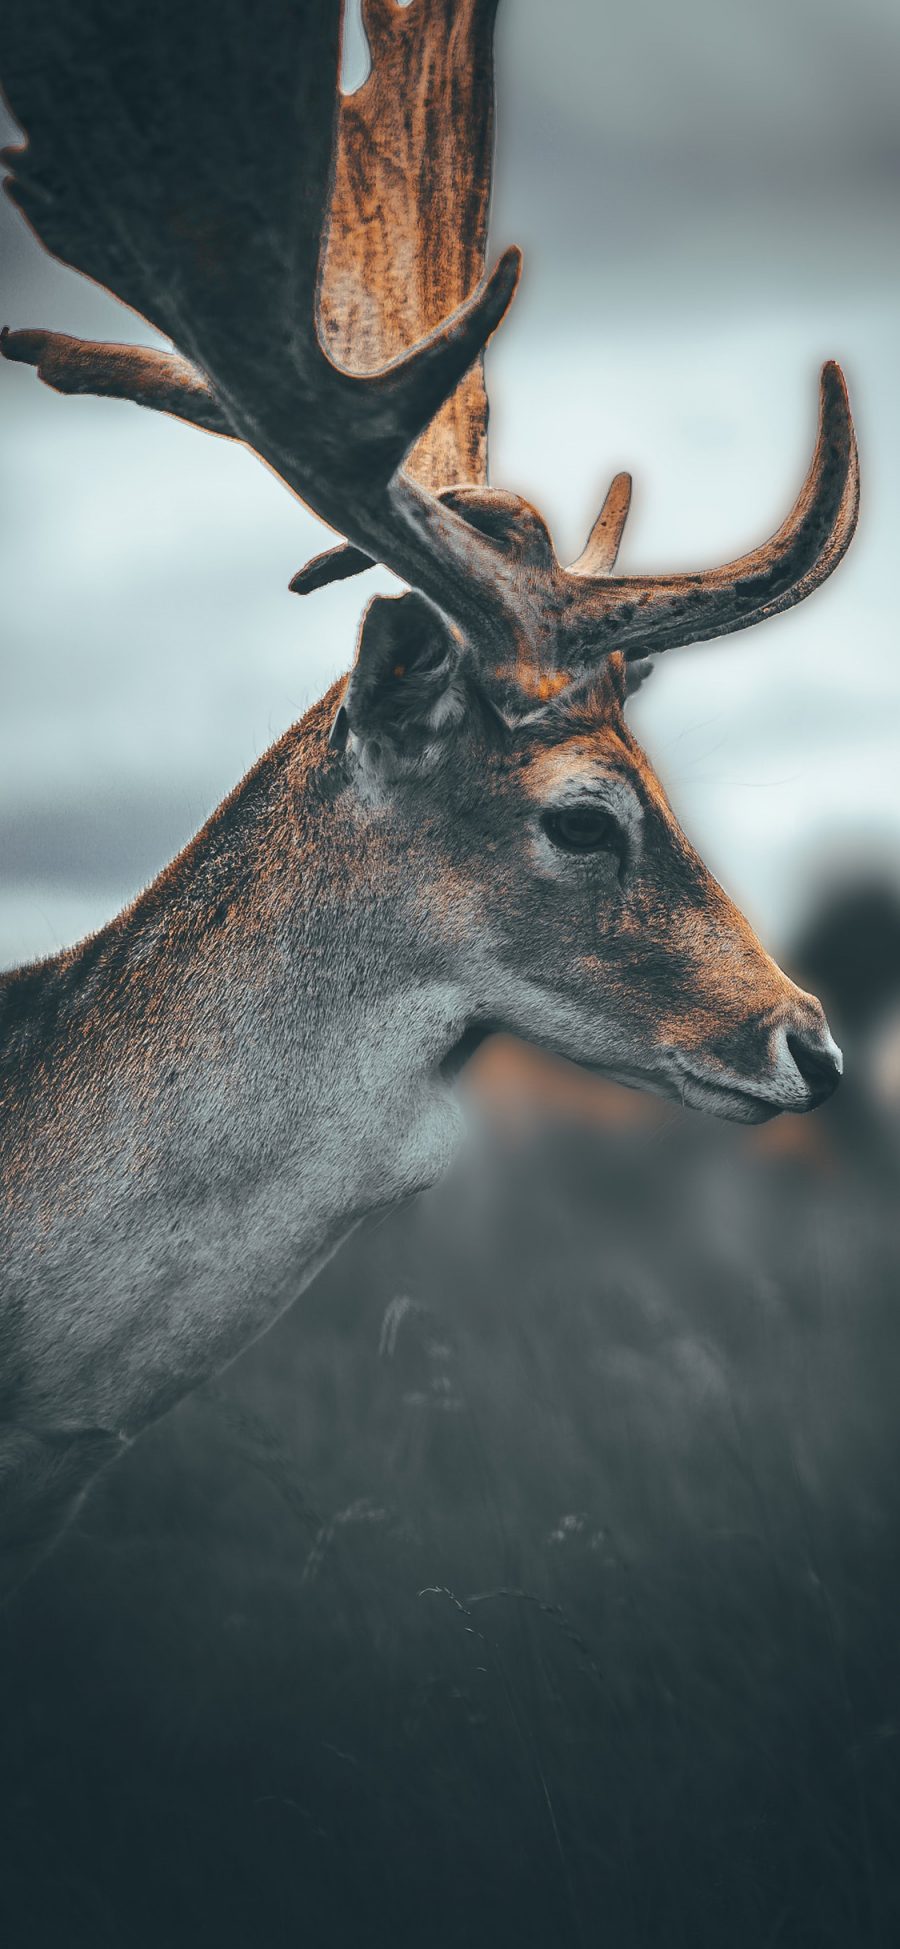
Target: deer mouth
x,y
725,1100
728,1101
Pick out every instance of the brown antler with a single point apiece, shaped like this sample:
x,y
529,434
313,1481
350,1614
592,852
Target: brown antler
x,y
163,380
183,158
405,241
409,210
578,614
641,614
408,226
601,550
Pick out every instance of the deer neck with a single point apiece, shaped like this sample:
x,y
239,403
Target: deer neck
x,y
198,1104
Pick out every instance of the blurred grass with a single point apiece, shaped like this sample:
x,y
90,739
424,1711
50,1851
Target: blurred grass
x,y
535,1581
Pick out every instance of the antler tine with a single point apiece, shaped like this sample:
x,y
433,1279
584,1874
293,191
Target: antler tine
x,y
147,377
600,552
645,615
333,565
417,385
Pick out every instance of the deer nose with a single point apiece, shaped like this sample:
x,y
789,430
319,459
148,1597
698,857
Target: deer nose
x,y
816,1055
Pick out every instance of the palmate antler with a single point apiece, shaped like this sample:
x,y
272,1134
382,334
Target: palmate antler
x,y
183,158
186,158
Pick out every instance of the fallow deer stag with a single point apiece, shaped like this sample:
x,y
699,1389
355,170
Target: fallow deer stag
x,y
202,1100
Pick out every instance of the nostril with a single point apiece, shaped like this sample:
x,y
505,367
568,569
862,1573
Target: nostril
x,y
820,1067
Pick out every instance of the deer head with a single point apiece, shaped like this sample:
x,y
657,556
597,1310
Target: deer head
x,y
315,263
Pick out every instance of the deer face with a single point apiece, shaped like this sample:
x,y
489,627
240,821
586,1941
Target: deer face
x,y
579,916
625,951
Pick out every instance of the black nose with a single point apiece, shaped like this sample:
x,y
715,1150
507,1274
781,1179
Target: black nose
x,y
820,1067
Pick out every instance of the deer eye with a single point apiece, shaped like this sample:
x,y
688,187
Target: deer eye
x,y
584,829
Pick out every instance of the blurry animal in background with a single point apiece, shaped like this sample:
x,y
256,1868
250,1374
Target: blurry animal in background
x,y
202,1100
849,948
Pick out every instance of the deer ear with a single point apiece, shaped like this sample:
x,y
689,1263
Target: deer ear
x,y
406,689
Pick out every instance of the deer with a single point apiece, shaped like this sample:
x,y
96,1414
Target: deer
x,y
199,1102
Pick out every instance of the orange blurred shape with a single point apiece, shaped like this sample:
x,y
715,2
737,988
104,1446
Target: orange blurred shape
x,y
514,1081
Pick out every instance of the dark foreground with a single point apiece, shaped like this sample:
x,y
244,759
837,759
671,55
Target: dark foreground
x,y
536,1582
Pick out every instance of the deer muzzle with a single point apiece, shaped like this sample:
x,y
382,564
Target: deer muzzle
x,y
789,1060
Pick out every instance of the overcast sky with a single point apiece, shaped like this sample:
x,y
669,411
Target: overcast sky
x,y
708,201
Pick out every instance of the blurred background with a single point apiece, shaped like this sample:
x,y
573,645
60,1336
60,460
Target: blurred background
x,y
536,1580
